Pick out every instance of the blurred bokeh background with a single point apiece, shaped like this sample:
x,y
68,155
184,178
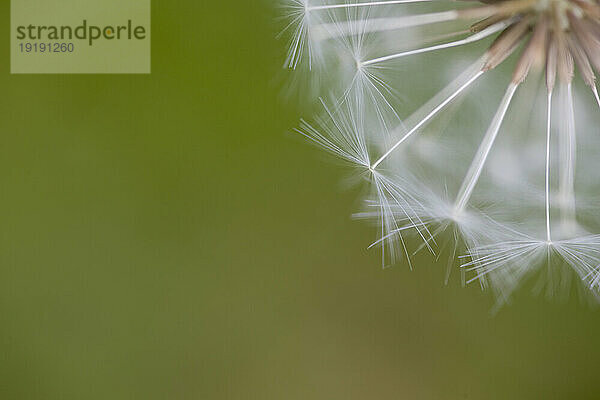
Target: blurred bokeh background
x,y
162,237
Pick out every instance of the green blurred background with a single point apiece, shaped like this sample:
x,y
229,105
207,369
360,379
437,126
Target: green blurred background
x,y
161,237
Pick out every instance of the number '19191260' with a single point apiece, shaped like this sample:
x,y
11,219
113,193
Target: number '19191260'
x,y
47,47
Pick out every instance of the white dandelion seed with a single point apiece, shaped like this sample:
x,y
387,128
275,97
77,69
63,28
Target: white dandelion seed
x,y
507,263
559,38
300,21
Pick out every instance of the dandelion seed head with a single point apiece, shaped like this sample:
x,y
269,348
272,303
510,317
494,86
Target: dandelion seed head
x,y
507,185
